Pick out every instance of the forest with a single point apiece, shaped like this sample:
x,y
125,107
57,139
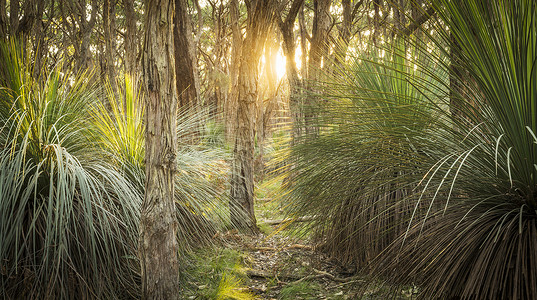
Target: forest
x,y
268,149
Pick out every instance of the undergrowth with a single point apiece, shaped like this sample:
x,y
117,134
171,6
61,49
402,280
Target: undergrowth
x,y
218,273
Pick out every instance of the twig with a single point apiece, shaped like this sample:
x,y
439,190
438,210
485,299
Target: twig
x,y
289,220
267,275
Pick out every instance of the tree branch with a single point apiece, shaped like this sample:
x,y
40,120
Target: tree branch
x,y
415,24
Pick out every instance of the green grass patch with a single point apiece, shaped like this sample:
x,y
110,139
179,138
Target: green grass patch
x,y
217,273
301,290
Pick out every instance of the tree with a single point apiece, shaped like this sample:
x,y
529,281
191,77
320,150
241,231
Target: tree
x,y
158,224
261,14
185,57
131,41
3,19
81,29
286,27
318,54
109,24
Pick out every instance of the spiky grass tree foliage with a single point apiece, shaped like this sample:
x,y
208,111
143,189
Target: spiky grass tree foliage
x,y
482,243
471,229
356,175
68,218
199,192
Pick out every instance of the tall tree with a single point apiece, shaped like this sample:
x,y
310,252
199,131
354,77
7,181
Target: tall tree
x,y
345,30
185,57
80,29
158,224
318,53
131,40
286,26
3,19
109,24
14,7
230,106
261,14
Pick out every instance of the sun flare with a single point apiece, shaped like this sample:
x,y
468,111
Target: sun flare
x,y
279,65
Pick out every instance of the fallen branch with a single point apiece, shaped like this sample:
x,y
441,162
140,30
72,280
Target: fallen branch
x,y
291,247
332,277
267,275
322,274
289,220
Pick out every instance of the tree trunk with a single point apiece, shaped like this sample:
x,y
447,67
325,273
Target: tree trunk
x,y
158,224
303,42
289,48
319,38
3,20
317,57
376,21
39,33
14,7
81,31
230,107
109,24
344,34
185,59
260,17
131,41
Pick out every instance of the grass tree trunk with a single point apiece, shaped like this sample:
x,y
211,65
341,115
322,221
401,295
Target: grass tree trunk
x,y
158,225
260,17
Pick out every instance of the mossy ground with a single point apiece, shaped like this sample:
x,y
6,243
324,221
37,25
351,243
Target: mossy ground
x,y
278,263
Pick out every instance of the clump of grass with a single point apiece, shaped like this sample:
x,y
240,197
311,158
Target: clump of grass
x,y
301,290
217,273
68,224
230,287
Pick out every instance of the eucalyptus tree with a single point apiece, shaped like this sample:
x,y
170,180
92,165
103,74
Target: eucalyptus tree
x,y
261,14
158,224
185,57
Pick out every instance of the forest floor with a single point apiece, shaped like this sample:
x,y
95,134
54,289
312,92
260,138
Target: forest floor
x,y
278,263
283,267
281,263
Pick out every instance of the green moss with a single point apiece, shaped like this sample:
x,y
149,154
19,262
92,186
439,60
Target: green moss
x,y
301,290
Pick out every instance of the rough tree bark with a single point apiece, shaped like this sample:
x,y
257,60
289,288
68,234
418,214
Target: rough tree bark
x,y
158,224
261,14
3,20
376,20
230,107
185,58
39,32
304,39
317,57
131,41
109,24
319,38
289,47
14,7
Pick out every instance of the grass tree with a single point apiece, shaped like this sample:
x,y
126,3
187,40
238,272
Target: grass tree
x,y
357,174
462,184
480,244
68,223
199,198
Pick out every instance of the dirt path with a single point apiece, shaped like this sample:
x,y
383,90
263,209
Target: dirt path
x,y
280,267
